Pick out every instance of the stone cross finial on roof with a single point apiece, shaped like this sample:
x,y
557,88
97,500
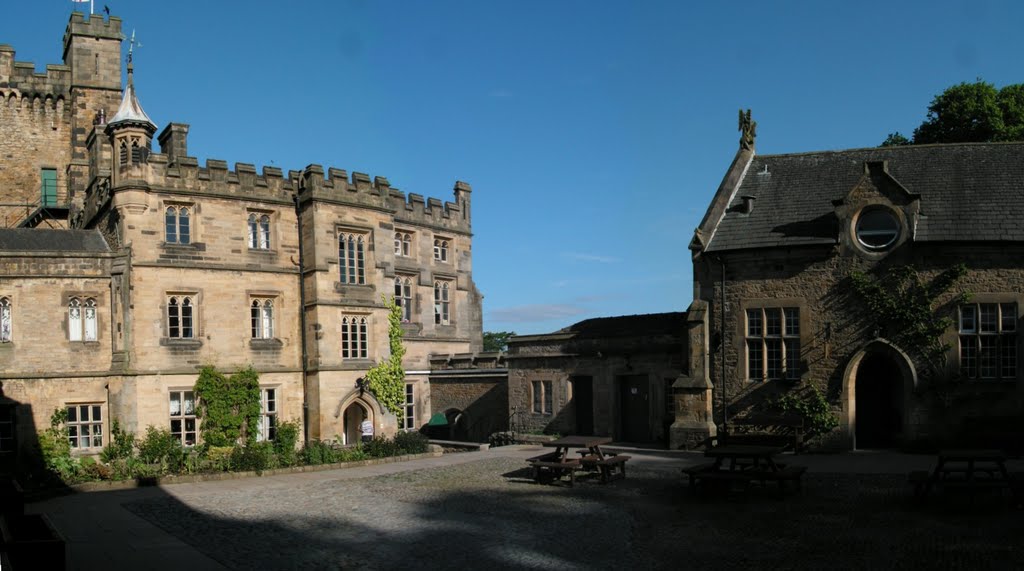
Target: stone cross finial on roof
x,y
748,128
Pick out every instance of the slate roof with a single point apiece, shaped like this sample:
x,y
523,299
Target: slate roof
x,y
970,191
673,323
40,240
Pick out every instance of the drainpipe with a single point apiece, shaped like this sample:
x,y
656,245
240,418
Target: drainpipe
x,y
725,390
302,325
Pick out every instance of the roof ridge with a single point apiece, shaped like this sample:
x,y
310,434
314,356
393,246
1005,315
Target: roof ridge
x,y
897,148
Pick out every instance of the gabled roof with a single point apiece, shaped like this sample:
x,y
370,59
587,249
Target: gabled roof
x,y
40,240
970,191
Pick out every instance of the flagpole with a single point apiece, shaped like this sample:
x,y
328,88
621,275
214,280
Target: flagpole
x,y
92,7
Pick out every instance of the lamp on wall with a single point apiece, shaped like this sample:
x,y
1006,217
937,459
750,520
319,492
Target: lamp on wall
x,y
361,384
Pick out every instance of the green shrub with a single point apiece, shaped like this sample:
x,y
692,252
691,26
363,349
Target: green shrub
x,y
411,442
255,457
218,458
55,448
90,470
121,445
285,439
317,452
381,448
161,447
812,405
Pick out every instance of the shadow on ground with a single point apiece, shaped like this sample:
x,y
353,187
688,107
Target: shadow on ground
x,y
489,514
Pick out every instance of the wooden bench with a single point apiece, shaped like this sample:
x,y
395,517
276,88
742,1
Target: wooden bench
x,y
545,471
768,429
607,466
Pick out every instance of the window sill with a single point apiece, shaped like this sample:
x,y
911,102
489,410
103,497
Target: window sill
x,y
180,343
262,251
191,246
272,343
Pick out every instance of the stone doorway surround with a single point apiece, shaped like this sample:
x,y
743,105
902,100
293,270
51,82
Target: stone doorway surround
x,y
908,375
351,418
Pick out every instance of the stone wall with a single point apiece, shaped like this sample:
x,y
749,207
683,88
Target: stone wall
x,y
835,325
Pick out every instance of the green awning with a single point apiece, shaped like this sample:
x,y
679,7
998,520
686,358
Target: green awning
x,y
439,419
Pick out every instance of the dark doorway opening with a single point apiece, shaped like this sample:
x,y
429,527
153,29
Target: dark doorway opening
x,y
879,402
583,399
635,408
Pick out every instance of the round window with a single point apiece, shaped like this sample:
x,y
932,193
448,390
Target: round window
x,y
877,229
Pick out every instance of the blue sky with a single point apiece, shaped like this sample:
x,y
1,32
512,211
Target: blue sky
x,y
594,133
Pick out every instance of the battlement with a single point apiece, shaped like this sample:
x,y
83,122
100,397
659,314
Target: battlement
x,y
22,76
216,178
358,189
95,26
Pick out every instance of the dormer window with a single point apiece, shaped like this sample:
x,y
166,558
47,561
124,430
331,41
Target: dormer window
x,y
877,229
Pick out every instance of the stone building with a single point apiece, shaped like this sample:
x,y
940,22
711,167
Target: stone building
x,y
787,239
153,266
609,376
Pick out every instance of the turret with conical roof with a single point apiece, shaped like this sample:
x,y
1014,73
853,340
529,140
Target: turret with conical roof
x,y
130,131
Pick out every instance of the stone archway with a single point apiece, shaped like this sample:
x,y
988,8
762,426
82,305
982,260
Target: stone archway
x,y
352,416
877,388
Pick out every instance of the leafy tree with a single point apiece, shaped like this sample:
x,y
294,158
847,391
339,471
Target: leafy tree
x,y
497,340
970,113
964,113
386,380
895,140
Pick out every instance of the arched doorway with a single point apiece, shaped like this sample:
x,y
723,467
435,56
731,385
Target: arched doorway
x,y
877,390
457,425
879,402
352,417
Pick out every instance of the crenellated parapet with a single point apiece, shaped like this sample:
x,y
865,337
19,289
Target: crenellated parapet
x,y
93,26
21,87
359,190
216,179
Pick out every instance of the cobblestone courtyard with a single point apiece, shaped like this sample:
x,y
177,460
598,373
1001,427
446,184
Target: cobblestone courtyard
x,y
486,513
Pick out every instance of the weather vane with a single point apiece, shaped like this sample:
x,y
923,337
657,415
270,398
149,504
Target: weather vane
x,y
131,47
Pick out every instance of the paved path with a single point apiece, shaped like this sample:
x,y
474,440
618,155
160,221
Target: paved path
x,y
472,509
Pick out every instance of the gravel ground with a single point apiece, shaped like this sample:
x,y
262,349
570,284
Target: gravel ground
x,y
489,514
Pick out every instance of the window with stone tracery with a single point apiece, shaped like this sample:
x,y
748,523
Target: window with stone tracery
x,y
403,243
259,231
82,319
180,317
5,320
441,249
442,302
354,337
261,318
352,258
177,224
403,296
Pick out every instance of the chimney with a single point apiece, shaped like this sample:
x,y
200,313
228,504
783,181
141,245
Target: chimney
x,y
174,141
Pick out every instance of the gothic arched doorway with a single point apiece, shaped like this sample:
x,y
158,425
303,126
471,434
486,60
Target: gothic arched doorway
x,y
353,416
879,392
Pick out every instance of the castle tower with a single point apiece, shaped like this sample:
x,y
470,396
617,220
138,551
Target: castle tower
x,y
131,135
92,52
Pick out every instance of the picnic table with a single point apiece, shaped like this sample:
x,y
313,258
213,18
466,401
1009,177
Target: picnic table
x,y
742,465
969,469
561,462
